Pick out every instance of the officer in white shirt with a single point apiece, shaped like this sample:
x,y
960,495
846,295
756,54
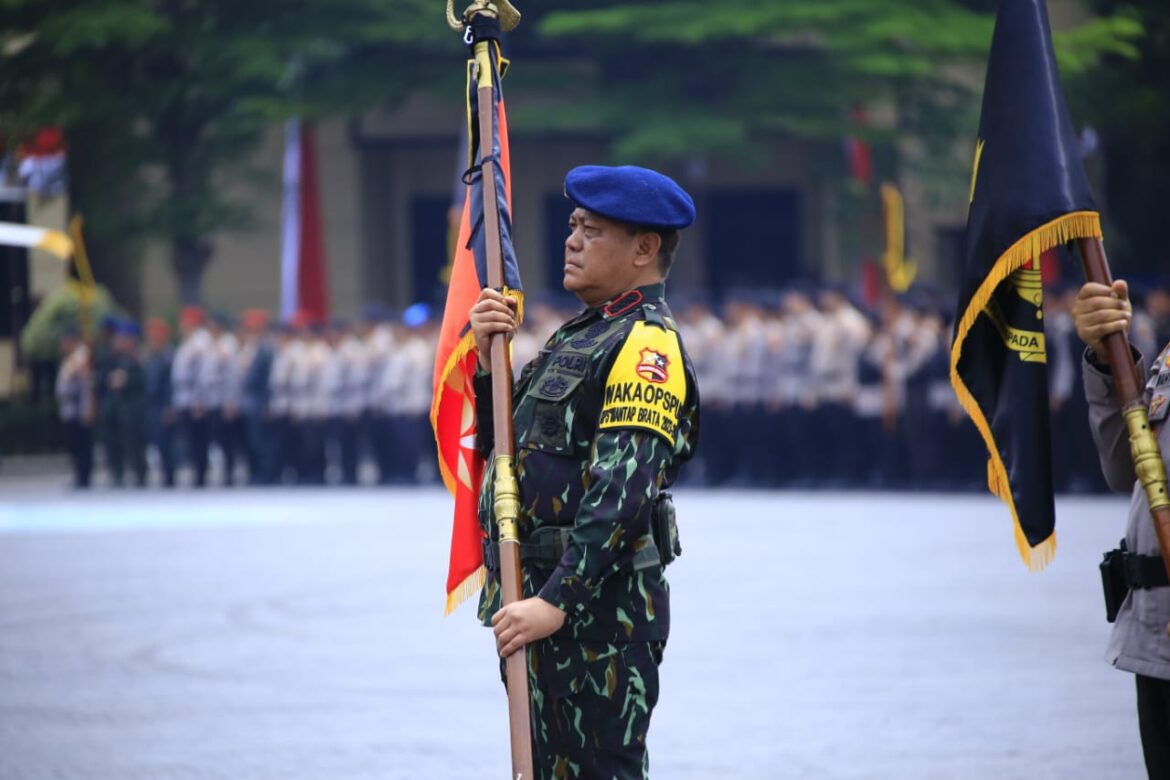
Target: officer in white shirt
x,y
195,349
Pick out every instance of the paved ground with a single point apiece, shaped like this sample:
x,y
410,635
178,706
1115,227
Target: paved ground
x,y
280,635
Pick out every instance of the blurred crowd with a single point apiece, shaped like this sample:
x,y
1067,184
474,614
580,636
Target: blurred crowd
x,y
809,388
249,401
802,388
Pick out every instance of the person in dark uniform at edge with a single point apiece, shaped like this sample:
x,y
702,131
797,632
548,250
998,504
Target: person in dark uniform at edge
x,y
604,418
1139,643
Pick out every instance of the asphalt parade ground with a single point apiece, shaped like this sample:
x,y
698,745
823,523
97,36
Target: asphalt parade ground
x,y
288,634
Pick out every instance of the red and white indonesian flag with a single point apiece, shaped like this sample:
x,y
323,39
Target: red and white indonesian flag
x,y
303,284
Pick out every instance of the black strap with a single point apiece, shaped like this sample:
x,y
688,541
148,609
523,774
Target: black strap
x,y
546,546
481,28
1144,571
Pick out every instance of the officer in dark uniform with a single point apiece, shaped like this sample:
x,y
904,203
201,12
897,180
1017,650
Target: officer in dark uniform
x,y
160,410
105,425
604,418
124,403
255,364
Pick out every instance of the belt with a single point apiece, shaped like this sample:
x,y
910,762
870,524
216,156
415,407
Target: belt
x,y
544,548
1144,571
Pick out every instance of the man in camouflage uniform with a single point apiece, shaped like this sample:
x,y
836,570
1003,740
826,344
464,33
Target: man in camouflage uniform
x,y
604,417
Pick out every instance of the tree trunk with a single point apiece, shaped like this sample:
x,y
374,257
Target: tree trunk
x,y
104,189
190,257
190,249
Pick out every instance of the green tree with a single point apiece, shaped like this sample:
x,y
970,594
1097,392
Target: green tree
x,y
679,78
163,100
70,306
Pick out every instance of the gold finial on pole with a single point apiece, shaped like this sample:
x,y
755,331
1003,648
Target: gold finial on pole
x,y
501,9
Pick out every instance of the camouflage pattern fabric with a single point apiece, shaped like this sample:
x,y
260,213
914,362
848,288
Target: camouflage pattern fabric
x,y
591,705
593,453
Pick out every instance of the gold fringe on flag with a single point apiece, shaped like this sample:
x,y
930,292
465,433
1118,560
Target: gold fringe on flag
x,y
1078,224
465,590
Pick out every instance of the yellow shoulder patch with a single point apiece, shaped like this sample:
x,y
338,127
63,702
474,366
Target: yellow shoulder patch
x,y
647,384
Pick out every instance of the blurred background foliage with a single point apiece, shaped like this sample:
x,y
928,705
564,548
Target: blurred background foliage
x,y
164,100
1128,100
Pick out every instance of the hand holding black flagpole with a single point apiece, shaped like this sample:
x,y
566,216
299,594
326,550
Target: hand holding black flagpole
x,y
1147,455
506,489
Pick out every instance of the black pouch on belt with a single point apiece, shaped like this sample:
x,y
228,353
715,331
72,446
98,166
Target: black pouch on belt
x,y
665,529
1113,581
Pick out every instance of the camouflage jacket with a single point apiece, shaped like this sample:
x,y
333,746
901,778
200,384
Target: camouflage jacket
x,y
603,418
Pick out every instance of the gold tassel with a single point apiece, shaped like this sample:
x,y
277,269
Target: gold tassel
x,y
1036,558
1078,224
466,589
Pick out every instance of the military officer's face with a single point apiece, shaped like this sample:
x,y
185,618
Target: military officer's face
x,y
599,257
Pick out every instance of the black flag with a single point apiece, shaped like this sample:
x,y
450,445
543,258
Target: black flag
x,y
1029,194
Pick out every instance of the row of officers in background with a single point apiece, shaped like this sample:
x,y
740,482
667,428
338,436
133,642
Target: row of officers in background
x,y
251,401
800,388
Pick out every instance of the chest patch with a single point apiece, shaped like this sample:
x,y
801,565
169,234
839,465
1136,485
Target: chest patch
x,y
554,387
647,385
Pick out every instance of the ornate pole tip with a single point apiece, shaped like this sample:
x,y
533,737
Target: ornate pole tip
x,y
501,9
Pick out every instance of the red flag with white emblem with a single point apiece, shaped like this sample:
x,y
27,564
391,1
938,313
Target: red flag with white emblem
x,y
453,403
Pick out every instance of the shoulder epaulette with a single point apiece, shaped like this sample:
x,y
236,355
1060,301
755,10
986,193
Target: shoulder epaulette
x,y
654,315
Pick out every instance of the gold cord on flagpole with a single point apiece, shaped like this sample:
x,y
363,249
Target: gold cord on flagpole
x,y
85,272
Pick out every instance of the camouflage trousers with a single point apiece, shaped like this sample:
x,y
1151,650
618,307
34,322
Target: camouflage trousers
x,y
591,707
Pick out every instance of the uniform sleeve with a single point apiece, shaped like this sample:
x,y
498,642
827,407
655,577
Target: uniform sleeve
x,y
623,475
1107,424
644,429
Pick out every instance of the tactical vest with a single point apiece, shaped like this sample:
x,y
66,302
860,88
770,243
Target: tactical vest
x,y
561,384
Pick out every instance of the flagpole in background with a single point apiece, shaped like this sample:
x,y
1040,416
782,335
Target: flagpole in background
x,y
290,222
481,26
303,281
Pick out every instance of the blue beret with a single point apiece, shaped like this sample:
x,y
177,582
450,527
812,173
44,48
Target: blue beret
x,y
128,328
638,196
416,315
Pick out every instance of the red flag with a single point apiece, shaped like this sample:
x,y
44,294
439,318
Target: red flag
x,y
304,285
453,403
857,152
